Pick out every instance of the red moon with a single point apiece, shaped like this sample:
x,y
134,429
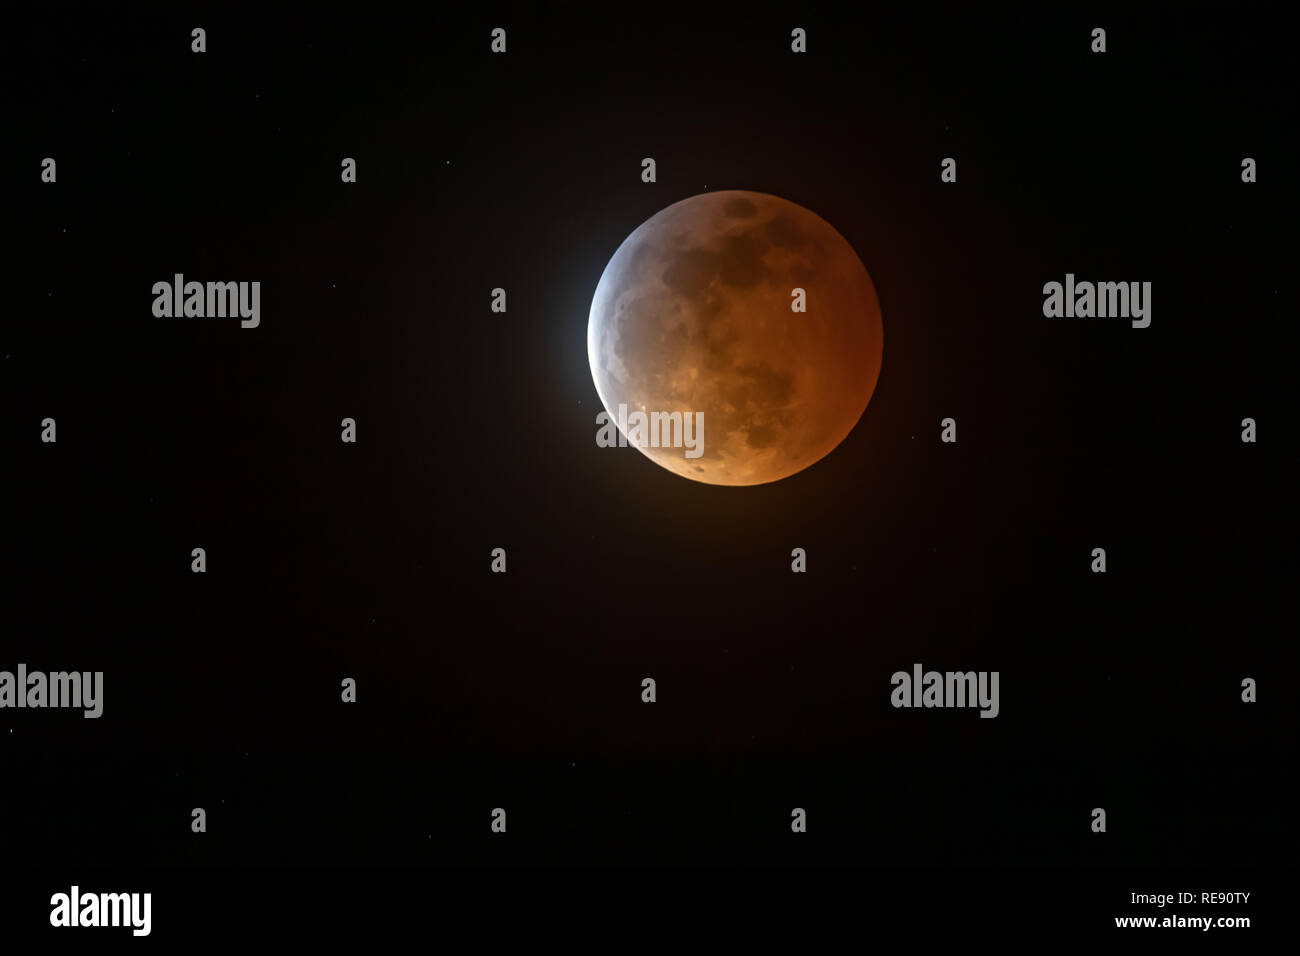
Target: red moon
x,y
696,312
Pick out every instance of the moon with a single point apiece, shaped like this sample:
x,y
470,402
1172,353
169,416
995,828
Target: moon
x,y
696,312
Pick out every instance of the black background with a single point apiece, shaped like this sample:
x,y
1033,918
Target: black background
x,y
476,430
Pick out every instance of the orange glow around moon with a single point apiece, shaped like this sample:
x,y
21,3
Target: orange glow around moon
x,y
693,314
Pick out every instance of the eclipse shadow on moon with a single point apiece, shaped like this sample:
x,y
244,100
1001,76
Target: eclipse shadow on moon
x,y
693,314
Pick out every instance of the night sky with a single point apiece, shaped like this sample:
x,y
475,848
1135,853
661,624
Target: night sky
x,y
476,430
